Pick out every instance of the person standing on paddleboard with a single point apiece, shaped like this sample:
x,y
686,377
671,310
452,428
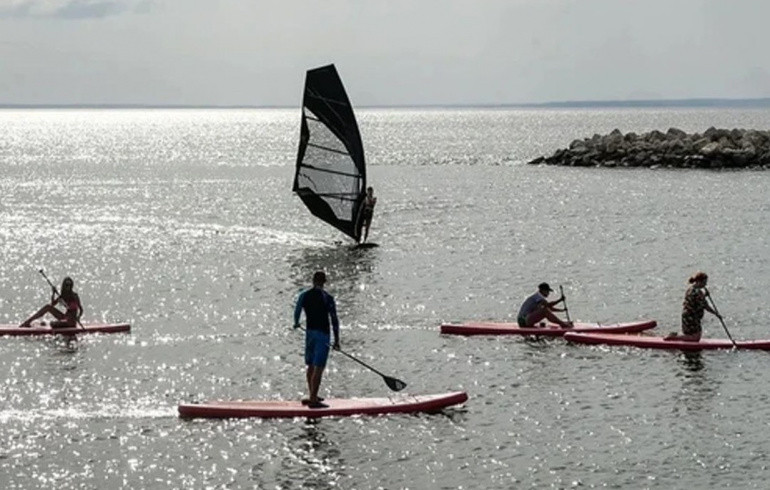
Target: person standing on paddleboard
x,y
319,307
694,305
71,301
537,307
367,212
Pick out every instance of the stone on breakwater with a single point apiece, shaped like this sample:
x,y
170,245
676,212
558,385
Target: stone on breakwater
x,y
715,148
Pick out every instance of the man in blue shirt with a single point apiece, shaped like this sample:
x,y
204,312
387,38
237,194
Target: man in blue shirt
x,y
537,307
319,307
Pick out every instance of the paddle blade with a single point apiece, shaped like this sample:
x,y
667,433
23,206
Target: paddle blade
x,y
394,384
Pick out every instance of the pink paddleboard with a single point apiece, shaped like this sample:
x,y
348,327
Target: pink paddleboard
x,y
37,329
336,407
660,343
550,329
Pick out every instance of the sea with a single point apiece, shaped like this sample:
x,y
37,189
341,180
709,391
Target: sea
x,y
183,223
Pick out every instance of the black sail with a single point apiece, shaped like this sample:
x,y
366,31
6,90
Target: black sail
x,y
330,176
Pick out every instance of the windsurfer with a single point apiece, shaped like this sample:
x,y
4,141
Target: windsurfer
x,y
694,305
537,307
71,301
319,307
367,211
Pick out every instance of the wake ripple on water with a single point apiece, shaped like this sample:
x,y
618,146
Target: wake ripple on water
x,y
37,416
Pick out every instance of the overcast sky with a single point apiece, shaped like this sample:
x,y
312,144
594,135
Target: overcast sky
x,y
388,52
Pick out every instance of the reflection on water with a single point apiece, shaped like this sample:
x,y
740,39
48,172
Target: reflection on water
x,y
61,355
692,360
350,273
697,387
456,415
344,265
313,460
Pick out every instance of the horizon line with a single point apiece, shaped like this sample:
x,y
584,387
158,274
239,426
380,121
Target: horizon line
x,y
618,103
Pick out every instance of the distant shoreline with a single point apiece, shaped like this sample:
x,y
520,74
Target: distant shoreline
x,y
715,103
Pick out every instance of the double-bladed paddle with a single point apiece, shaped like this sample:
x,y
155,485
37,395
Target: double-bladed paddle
x,y
713,305
56,291
393,383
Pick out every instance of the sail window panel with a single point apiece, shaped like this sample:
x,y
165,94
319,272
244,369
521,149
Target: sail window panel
x,y
328,170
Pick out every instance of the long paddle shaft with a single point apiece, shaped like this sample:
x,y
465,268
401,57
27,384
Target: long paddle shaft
x,y
393,383
566,310
56,291
714,305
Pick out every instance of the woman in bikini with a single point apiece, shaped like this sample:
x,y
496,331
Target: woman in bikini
x,y
71,301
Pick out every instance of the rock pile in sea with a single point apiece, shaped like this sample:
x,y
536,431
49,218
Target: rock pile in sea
x,y
714,148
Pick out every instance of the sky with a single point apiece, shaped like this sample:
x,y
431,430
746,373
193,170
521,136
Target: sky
x,y
388,52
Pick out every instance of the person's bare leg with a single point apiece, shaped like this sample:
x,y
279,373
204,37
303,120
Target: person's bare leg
x,y
539,314
41,312
535,317
555,319
315,383
309,377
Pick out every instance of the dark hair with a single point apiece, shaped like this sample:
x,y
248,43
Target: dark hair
x,y
698,276
319,278
66,288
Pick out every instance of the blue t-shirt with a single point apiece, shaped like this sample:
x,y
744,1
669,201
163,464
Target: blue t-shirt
x,y
530,304
319,307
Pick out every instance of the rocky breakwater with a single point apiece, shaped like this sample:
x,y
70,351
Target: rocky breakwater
x,y
715,148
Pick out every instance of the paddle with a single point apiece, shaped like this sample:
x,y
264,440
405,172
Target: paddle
x,y
56,291
566,310
393,383
713,305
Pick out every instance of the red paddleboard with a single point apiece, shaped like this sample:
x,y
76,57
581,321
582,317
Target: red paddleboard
x,y
661,343
549,330
37,329
336,407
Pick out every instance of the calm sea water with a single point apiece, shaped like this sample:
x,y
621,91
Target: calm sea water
x,y
183,223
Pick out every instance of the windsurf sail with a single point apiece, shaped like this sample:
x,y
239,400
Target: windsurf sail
x,y
330,175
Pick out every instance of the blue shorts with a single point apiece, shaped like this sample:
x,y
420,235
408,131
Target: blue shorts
x,y
316,348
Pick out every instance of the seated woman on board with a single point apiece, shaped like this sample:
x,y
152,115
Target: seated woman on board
x,y
71,301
